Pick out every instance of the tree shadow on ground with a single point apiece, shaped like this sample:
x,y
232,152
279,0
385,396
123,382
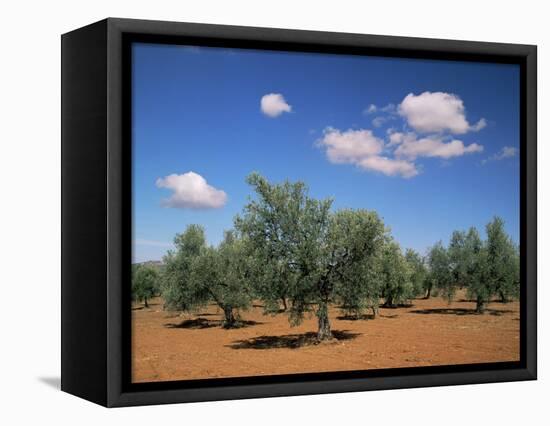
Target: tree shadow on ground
x,y
460,311
288,341
492,301
397,306
200,323
355,317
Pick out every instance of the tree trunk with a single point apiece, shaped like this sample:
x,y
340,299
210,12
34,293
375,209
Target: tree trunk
x,y
389,302
429,294
480,305
229,318
145,303
285,306
374,311
503,297
324,332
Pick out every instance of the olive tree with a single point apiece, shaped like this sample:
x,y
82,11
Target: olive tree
x,y
476,271
439,271
196,275
274,279
144,283
503,261
458,261
396,275
418,271
356,238
314,250
221,275
176,284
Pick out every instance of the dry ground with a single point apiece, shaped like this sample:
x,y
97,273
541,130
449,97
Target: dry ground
x,y
170,346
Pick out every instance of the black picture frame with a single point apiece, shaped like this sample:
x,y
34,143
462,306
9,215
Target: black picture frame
x,y
96,212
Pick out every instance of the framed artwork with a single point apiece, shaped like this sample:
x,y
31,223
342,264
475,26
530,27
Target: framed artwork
x,y
254,212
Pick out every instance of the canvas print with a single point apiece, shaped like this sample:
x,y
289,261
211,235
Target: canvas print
x,y
308,212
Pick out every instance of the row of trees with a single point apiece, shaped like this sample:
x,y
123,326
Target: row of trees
x,y
485,268
297,256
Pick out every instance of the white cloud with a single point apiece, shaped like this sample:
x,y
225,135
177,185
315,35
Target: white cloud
x,y
191,191
363,149
389,166
371,109
274,104
395,138
433,146
505,152
481,124
426,127
435,112
379,121
350,146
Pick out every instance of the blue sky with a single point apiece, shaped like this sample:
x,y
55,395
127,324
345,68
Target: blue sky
x,y
432,146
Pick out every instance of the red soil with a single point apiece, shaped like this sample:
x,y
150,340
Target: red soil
x,y
170,346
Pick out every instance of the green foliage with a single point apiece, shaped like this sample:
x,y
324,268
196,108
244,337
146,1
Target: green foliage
x,y
503,261
397,287
439,274
289,249
287,232
476,270
319,255
144,283
485,269
356,238
419,273
221,275
176,286
196,275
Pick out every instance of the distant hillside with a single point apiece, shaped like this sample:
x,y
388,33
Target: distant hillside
x,y
150,263
156,264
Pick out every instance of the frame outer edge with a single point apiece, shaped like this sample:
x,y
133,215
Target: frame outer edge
x,y
83,168
531,208
116,396
114,211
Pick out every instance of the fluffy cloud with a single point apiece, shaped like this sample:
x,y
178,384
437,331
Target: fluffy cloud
x,y
433,146
481,124
435,112
428,123
274,104
363,149
371,109
191,191
379,121
350,146
389,166
395,138
505,152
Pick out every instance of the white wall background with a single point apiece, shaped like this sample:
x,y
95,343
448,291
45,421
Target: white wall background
x,y
30,210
